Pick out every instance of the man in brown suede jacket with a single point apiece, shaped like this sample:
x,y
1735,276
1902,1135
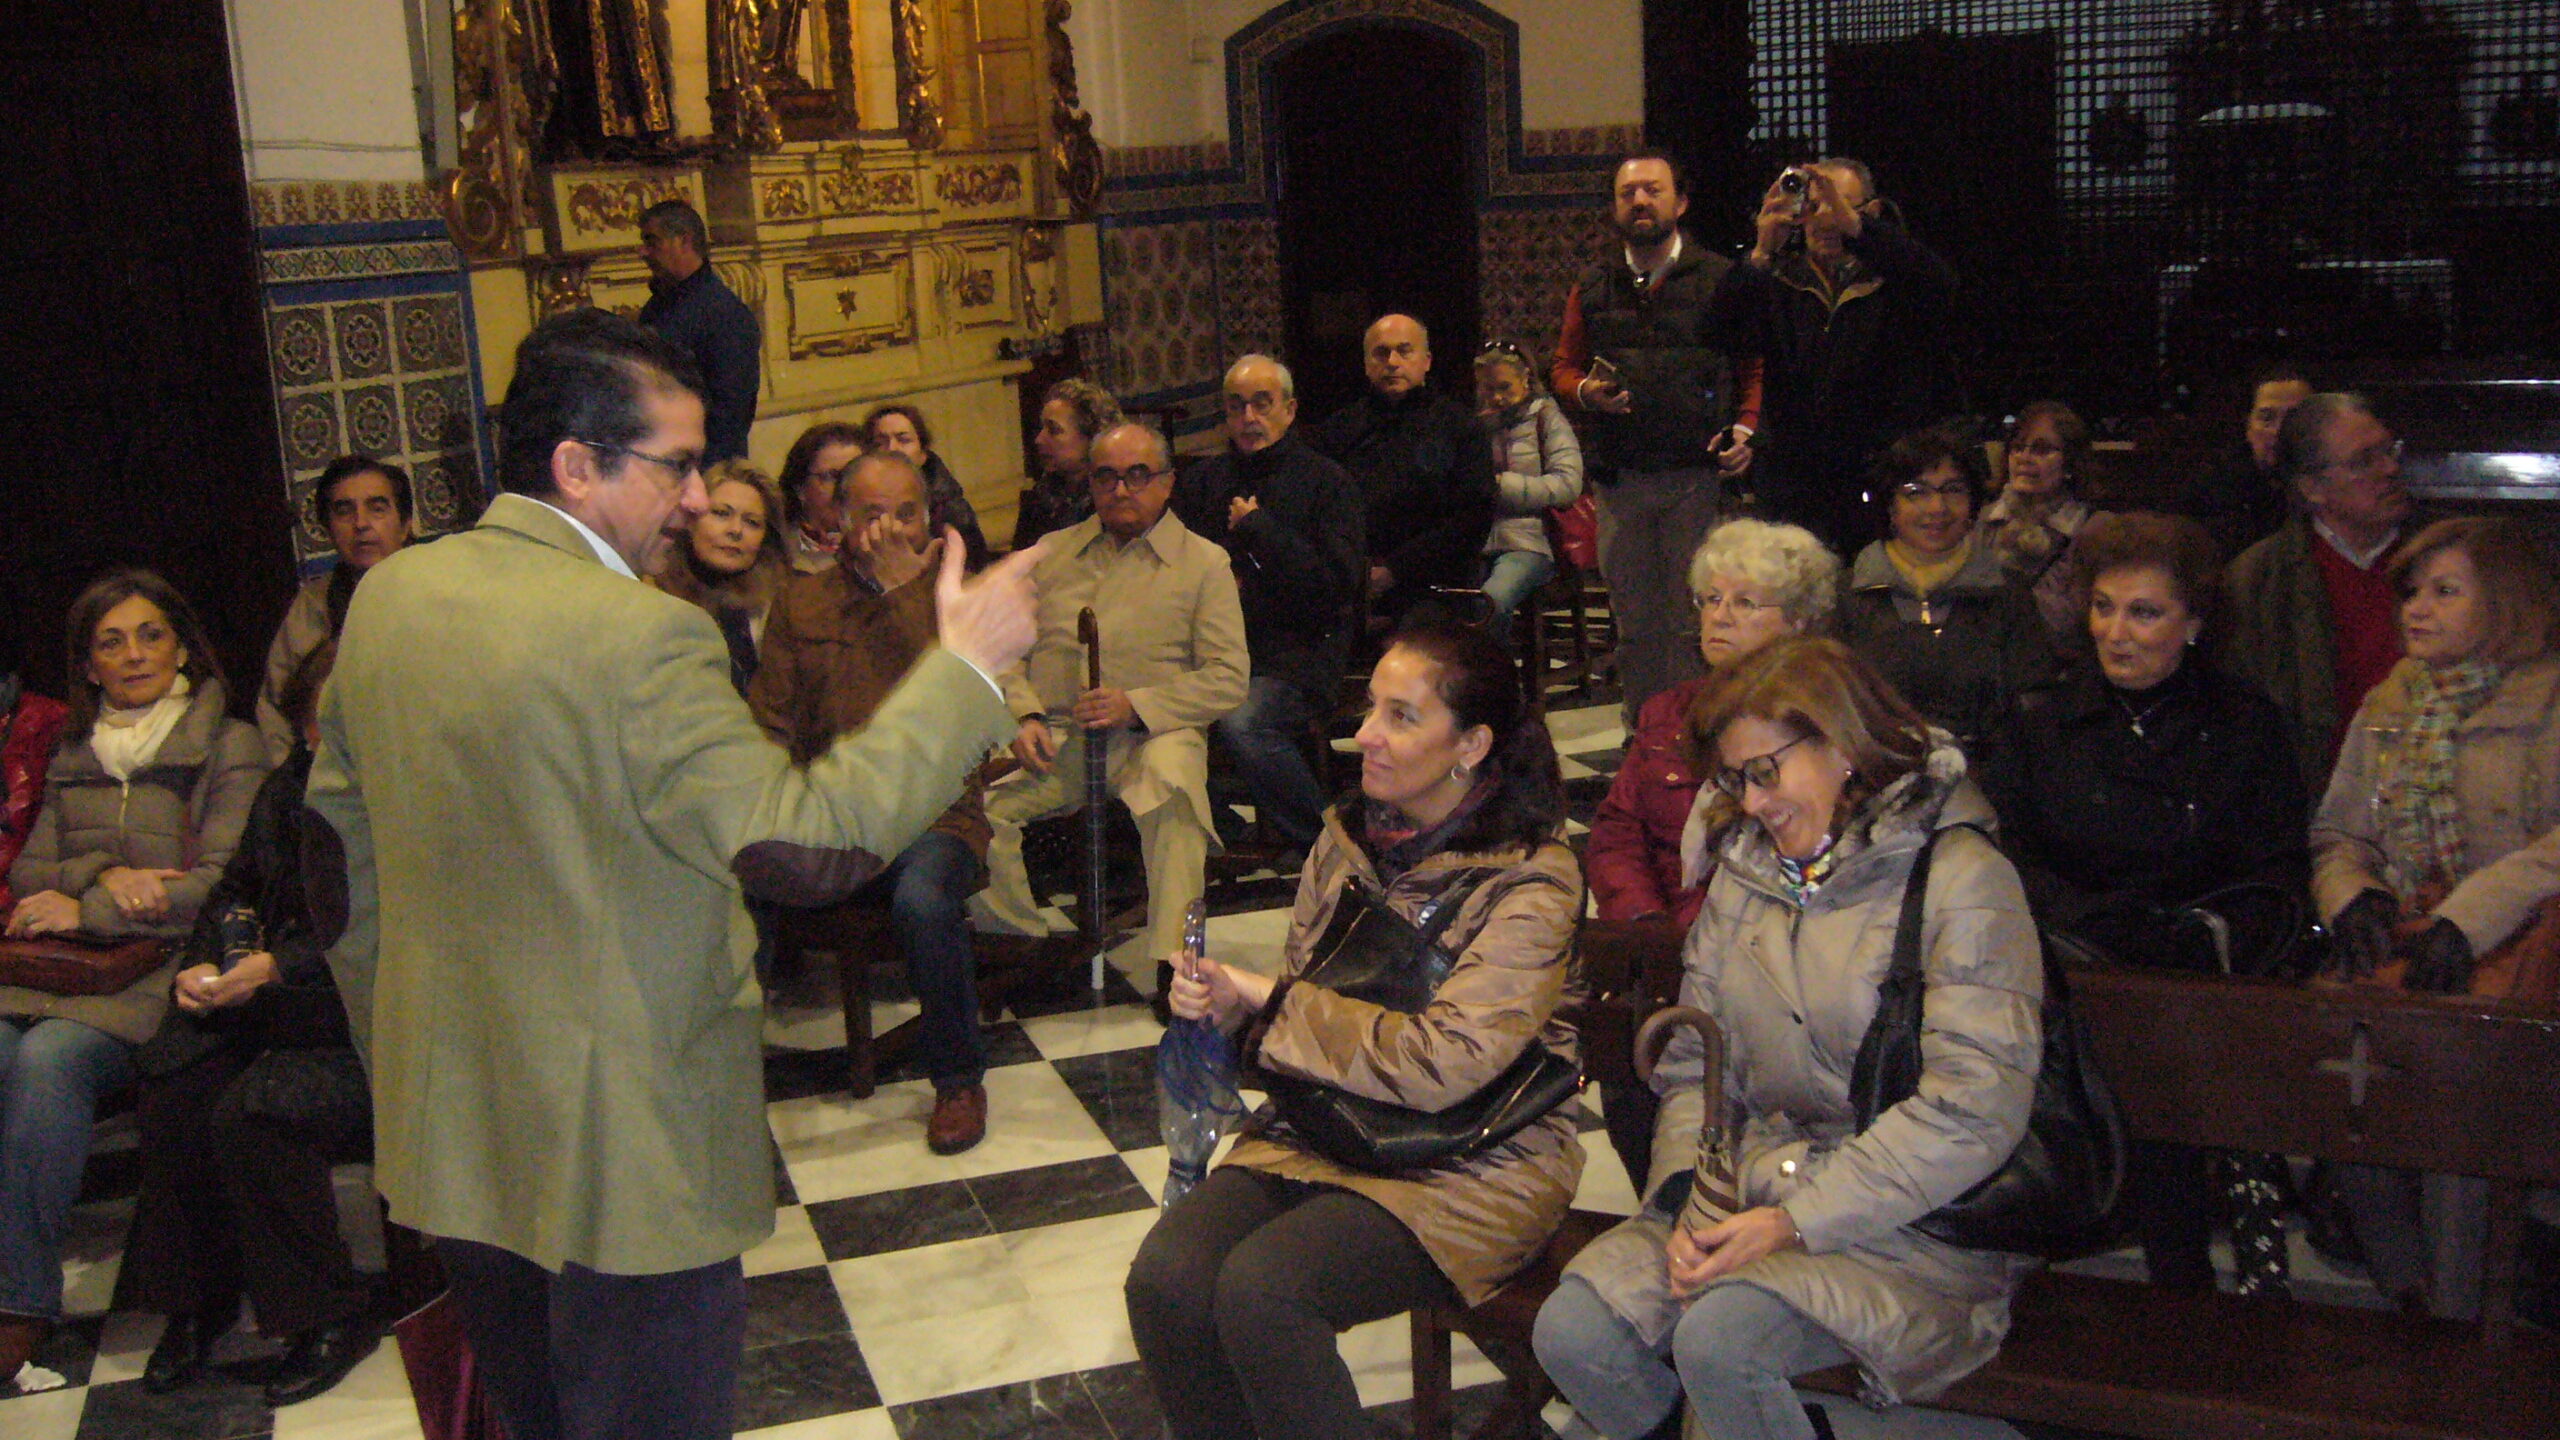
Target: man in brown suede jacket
x,y
837,643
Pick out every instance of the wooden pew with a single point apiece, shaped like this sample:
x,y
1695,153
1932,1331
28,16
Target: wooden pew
x,y
2426,1083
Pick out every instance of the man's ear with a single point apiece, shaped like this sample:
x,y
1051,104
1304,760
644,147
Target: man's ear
x,y
574,471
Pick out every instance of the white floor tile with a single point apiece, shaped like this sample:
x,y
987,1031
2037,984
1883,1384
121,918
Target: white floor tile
x,y
792,1246
1050,1335
124,1346
930,1282
852,1425
1604,1177
50,1415
1078,1256
837,1147
1380,1355
372,1403
1092,1032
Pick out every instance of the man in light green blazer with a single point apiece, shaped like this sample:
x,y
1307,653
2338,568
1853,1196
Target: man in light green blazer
x,y
539,801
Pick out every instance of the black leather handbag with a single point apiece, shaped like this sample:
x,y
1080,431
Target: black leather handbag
x,y
2055,1196
1371,953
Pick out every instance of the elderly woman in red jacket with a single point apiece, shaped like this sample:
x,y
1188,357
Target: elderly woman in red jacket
x,y
29,726
1753,582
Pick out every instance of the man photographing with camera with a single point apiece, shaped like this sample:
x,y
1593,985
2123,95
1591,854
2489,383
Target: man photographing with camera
x,y
1849,315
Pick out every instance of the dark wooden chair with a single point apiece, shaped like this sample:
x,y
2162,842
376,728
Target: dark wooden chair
x,y
858,935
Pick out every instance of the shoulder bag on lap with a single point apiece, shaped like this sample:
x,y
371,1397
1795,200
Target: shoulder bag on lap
x,y
1371,953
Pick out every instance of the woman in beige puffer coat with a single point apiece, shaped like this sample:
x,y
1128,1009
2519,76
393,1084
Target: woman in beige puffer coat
x,y
1820,1265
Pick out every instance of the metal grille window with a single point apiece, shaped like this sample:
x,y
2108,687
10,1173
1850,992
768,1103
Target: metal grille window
x,y
2143,195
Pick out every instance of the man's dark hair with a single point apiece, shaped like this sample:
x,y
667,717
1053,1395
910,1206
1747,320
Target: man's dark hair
x,y
2301,443
582,375
2274,372
680,219
1679,174
346,468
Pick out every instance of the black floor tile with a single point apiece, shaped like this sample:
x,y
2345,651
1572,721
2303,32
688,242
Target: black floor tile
x,y
1055,1194
803,1380
206,1410
1127,1401
898,1220
800,1074
1118,1090
784,1192
1116,990
1053,1408
71,1351
1006,1044
793,1305
1469,1409
111,1175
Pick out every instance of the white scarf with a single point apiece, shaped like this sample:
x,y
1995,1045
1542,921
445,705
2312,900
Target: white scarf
x,y
127,740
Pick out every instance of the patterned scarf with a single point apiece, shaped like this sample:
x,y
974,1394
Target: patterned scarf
x,y
1396,844
2419,815
1803,877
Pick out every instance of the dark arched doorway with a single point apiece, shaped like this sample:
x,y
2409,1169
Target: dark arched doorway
x,y
1375,174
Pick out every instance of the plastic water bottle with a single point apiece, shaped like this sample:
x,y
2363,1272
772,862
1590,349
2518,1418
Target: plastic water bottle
x,y
1196,1095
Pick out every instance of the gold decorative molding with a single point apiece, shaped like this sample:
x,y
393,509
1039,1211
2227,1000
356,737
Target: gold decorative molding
x,y
919,113
786,198
504,80
558,287
599,207
848,303
748,39
971,187
1072,147
854,191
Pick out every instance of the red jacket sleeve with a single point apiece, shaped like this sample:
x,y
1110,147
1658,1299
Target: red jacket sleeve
x,y
1573,353
33,731
1748,372
1614,861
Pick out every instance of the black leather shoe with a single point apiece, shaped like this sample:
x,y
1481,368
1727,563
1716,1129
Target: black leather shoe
x,y
180,1355
318,1359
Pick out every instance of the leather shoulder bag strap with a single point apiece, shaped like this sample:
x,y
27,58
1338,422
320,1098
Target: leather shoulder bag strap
x,y
1915,897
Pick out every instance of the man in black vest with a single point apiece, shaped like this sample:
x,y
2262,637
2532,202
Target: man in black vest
x,y
1293,526
1646,373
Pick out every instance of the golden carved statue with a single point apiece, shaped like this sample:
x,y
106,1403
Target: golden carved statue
x,y
614,83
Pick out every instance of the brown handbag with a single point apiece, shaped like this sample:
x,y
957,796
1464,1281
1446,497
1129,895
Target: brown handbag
x,y
78,965
2524,967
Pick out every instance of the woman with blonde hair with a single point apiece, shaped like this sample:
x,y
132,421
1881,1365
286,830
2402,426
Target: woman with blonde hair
x,y
733,560
2439,841
1794,1246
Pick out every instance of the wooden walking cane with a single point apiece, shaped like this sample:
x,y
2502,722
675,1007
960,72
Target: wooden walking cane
x,y
1097,793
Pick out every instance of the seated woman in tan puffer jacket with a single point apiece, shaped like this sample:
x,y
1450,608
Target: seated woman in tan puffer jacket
x,y
1237,1294
144,802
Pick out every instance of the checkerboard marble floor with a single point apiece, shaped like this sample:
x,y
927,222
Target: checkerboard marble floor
x,y
903,1294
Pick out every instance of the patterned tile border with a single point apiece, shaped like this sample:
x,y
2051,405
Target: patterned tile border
x,y
351,262
340,202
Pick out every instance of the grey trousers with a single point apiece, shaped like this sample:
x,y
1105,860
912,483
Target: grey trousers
x,y
1650,525
1733,1354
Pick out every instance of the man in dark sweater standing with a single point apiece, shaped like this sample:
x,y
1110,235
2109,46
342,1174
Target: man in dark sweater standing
x,y
690,306
1292,524
1425,471
1651,388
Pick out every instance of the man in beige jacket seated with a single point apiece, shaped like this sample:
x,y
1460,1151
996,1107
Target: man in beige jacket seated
x,y
1173,662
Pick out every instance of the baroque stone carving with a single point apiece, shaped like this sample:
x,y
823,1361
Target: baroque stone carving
x,y
971,186
1072,148
919,114
505,78
559,287
856,192
785,199
977,289
603,206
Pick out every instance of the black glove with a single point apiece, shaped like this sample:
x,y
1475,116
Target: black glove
x,y
2361,934
2440,959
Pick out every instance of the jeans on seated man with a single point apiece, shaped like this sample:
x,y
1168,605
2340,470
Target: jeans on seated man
x,y
1173,662
1292,521
837,642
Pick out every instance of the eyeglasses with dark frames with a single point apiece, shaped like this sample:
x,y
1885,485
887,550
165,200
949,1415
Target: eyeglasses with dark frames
x,y
1760,772
683,467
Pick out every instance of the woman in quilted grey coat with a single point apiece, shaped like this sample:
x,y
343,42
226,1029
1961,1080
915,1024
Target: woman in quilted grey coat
x,y
144,802
1819,1264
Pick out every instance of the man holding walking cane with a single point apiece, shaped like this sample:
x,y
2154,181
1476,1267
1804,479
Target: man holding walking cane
x,y
1173,661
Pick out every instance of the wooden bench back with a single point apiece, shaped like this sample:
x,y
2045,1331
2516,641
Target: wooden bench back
x,y
2376,1077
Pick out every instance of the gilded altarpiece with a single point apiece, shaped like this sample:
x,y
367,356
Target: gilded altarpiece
x,y
887,184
